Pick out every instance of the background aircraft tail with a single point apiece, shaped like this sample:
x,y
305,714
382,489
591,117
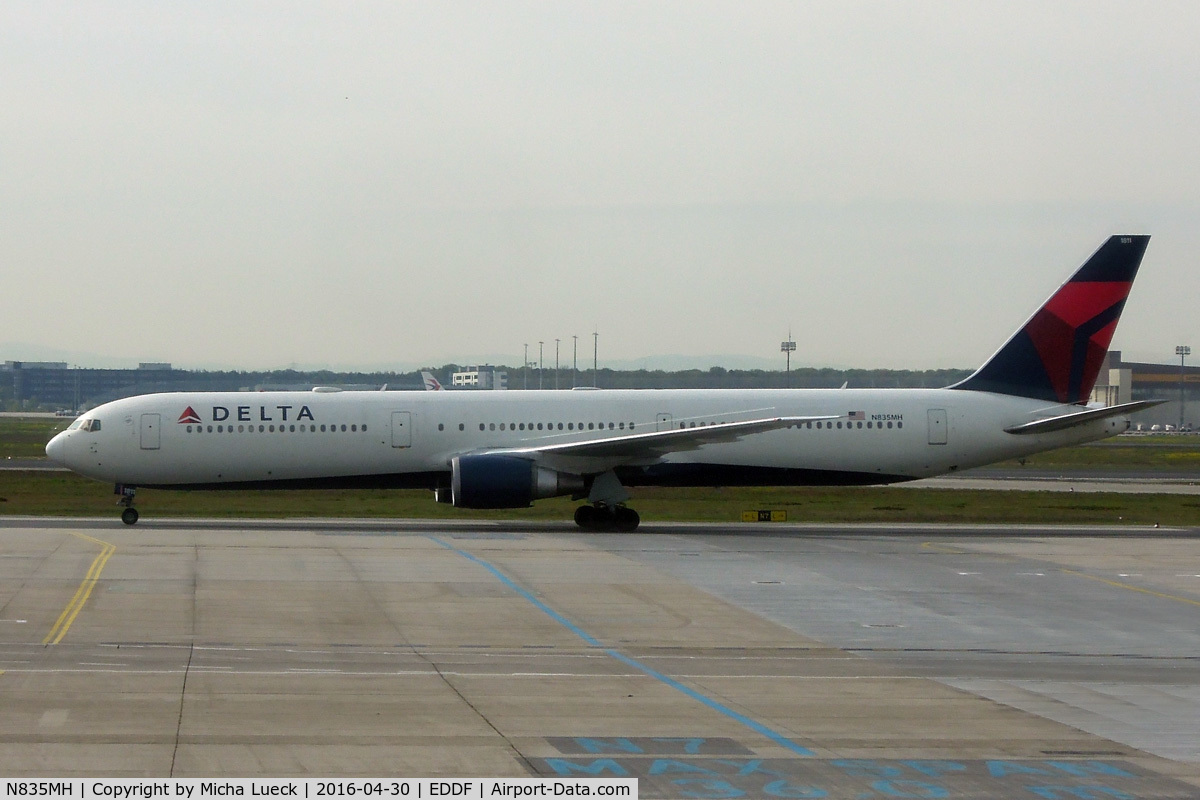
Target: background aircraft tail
x,y
1058,353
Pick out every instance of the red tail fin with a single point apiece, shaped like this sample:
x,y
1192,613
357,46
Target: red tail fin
x,y
1057,355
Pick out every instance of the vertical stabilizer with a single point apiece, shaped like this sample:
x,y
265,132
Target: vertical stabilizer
x,y
1058,353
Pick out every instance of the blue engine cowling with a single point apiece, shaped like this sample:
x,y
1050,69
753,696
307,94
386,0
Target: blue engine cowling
x,y
499,481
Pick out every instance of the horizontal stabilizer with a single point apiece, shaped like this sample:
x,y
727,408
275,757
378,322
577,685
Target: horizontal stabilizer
x,y
1064,421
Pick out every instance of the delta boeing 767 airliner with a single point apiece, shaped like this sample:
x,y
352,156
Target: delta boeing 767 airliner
x,y
507,449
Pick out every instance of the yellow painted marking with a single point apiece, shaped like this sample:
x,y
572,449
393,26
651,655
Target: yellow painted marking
x,y
1132,588
949,550
764,516
941,548
63,624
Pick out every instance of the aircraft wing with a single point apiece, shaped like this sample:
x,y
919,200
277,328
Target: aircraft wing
x,y
1064,421
601,454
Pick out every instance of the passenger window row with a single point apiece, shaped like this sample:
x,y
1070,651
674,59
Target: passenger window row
x,y
546,426
852,424
277,428
572,426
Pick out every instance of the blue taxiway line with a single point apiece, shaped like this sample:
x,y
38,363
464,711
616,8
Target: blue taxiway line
x,y
720,708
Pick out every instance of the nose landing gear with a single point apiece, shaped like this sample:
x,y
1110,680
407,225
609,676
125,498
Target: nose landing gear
x,y
130,514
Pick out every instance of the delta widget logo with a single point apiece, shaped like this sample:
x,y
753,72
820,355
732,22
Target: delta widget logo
x,y
189,416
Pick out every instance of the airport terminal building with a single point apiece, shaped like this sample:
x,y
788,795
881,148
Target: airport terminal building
x,y
480,377
1123,381
53,383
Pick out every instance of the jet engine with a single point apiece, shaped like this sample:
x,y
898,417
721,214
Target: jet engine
x,y
500,481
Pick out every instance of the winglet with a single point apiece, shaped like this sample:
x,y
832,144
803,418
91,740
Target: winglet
x,y
1057,355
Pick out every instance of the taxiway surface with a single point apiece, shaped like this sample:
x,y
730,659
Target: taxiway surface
x,y
707,660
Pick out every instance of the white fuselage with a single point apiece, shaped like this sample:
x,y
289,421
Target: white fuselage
x,y
409,438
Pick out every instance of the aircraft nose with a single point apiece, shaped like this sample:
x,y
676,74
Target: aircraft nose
x,y
56,449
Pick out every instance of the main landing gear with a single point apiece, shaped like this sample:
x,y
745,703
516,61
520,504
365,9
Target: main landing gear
x,y
601,517
130,514
607,510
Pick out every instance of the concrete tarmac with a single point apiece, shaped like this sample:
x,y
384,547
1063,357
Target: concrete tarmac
x,y
706,660
1129,482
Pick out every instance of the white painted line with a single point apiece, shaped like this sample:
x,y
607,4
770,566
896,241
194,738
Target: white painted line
x,y
535,675
53,718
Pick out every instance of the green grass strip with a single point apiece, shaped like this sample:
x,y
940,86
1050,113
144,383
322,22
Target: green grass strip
x,y
62,493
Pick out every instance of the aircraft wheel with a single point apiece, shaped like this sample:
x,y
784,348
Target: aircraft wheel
x,y
626,519
606,519
585,517
129,516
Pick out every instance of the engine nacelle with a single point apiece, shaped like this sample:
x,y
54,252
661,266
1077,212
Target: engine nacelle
x,y
498,481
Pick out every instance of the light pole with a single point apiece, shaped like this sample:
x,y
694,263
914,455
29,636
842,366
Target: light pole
x,y
1183,351
541,361
525,366
556,341
787,348
595,357
574,360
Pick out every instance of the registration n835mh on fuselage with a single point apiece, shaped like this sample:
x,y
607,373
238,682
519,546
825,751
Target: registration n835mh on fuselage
x,y
507,449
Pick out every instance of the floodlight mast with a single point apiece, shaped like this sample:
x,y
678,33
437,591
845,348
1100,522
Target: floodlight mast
x,y
1183,351
787,348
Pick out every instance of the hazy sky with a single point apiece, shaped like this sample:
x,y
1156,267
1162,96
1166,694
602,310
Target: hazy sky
x,y
387,184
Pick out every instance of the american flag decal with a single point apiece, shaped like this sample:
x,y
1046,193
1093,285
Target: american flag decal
x,y
857,415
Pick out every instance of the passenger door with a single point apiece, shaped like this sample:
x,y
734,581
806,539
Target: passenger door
x,y
939,427
401,429
150,436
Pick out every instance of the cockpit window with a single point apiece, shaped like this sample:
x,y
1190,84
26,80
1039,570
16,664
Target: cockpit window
x,y
74,425
90,425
